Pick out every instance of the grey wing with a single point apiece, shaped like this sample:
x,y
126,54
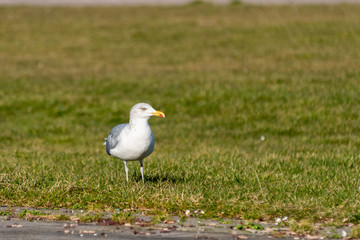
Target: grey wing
x,y
111,140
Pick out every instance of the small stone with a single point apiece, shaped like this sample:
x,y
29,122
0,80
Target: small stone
x,y
16,225
127,224
201,237
75,219
312,237
242,237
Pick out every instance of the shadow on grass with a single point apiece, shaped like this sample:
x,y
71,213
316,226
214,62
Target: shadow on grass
x,y
160,178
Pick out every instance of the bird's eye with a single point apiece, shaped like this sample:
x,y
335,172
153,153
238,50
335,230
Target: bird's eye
x,y
143,108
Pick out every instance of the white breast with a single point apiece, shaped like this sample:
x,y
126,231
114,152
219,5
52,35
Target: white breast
x,y
134,143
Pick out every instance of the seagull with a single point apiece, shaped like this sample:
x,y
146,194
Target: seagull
x,y
133,141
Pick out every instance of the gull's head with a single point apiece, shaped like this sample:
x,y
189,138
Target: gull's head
x,y
145,111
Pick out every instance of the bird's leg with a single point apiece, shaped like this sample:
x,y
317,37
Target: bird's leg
x,y
126,171
142,170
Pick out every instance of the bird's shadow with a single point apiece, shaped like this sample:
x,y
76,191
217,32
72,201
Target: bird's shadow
x,y
159,178
148,176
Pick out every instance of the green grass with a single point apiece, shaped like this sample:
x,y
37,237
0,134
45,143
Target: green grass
x,y
25,213
224,75
355,232
90,217
123,217
62,217
5,213
249,225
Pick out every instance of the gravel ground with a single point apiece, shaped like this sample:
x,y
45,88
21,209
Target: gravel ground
x,y
42,230
163,2
41,227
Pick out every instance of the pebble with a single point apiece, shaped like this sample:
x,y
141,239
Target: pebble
x,y
87,231
169,222
16,226
242,237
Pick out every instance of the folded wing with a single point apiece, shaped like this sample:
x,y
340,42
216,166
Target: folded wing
x,y
112,139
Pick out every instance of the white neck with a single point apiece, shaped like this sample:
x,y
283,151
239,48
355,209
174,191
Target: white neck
x,y
138,122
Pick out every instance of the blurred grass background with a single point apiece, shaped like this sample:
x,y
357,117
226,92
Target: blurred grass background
x,y
226,77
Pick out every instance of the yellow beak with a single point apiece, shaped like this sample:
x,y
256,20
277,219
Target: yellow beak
x,y
159,114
